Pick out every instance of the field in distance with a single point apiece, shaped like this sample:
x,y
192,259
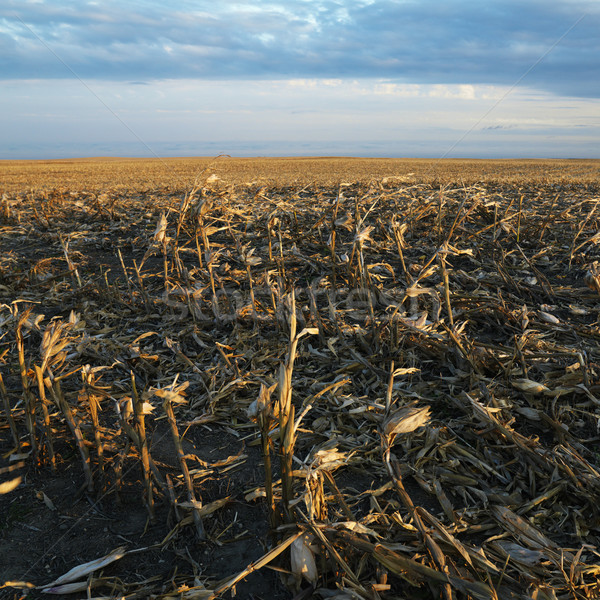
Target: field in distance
x,y
178,174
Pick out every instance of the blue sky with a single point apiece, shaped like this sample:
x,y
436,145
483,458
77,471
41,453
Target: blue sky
x,y
494,78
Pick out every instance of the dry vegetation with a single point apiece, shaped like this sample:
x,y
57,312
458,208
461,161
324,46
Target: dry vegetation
x,y
326,378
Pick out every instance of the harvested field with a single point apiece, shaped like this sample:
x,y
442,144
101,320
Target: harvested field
x,y
296,378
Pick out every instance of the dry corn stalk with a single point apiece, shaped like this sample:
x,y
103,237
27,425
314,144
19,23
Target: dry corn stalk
x,y
56,392
138,407
262,410
287,411
28,397
169,397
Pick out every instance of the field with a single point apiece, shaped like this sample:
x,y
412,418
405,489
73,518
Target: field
x,y
300,378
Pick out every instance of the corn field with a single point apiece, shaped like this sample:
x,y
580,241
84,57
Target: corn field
x,y
310,378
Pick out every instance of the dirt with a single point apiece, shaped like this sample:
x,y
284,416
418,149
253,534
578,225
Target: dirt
x,y
49,526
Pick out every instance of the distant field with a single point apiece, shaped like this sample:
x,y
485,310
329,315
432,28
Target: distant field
x,y
178,174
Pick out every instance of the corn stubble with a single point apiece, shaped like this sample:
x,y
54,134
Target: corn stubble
x,y
414,356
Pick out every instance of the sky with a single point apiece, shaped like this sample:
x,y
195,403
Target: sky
x,y
414,78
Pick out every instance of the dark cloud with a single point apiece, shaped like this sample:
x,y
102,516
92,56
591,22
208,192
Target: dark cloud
x,y
417,41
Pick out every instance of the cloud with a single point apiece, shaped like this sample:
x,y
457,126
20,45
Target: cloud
x,y
405,41
498,127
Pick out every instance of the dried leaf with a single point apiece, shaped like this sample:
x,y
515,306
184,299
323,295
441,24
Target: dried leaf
x,y
406,419
519,553
9,486
329,459
521,528
529,386
160,233
89,567
549,318
357,527
42,496
303,559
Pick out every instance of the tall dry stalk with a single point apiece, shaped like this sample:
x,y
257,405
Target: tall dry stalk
x,y
402,421
287,434
262,410
94,405
57,394
92,394
28,397
184,207
140,280
250,261
44,403
363,234
286,414
399,231
281,258
333,236
169,397
127,281
71,266
519,218
442,253
138,407
270,231
55,341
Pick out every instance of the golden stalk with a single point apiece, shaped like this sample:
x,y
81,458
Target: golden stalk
x,y
400,245
140,281
126,276
138,407
198,251
196,504
442,260
179,266
264,416
281,259
264,425
185,204
44,402
334,214
519,218
286,414
60,401
72,268
165,266
28,397
270,236
252,298
94,406
390,389
287,432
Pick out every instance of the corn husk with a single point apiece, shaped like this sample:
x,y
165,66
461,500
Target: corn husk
x,y
85,569
406,420
303,559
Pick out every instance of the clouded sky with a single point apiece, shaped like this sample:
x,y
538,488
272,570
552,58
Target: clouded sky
x,y
493,78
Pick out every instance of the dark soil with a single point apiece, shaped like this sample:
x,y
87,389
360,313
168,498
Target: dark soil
x,y
49,525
